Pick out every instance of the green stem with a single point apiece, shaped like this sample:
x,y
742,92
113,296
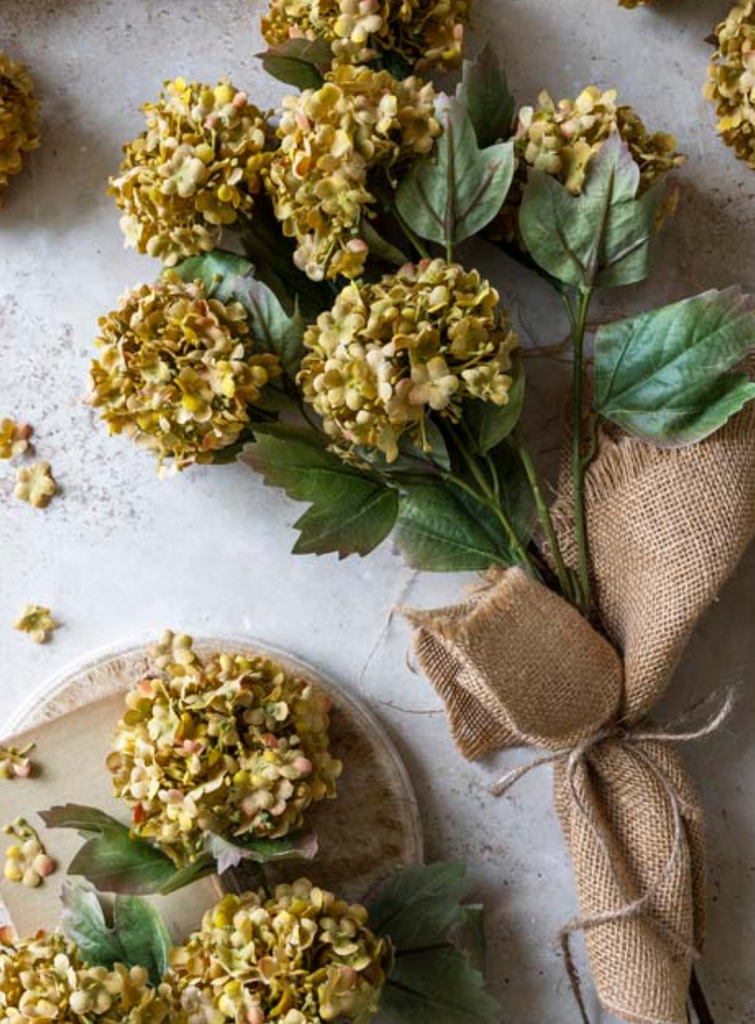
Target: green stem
x,y
578,323
486,496
449,252
411,237
544,515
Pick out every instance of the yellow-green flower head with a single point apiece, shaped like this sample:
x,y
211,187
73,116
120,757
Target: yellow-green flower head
x,y
425,33
300,956
561,139
333,139
19,122
388,354
231,745
178,372
731,81
196,168
43,979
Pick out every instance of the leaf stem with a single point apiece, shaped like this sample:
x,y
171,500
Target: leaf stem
x,y
578,322
486,496
698,1000
544,515
410,235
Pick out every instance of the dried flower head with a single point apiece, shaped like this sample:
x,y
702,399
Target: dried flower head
x,y
37,622
333,141
300,956
196,168
418,341
43,980
231,745
561,139
731,81
14,438
178,372
26,861
15,762
35,484
424,33
19,129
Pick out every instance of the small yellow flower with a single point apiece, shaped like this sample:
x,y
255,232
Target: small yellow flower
x,y
26,861
332,140
37,622
44,979
35,484
14,438
19,129
561,139
196,168
731,80
228,744
425,33
15,762
388,354
178,372
299,956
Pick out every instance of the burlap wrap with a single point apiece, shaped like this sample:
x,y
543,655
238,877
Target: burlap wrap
x,y
515,664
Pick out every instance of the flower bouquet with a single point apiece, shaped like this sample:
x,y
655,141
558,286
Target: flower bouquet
x,y
342,345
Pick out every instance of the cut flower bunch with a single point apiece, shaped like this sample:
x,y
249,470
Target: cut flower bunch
x,y
343,344
293,953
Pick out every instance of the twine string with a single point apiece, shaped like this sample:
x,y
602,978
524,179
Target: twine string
x,y
631,741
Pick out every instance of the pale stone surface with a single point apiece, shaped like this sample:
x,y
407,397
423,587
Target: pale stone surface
x,y
119,553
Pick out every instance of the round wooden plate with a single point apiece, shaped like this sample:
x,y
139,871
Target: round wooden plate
x,y
369,831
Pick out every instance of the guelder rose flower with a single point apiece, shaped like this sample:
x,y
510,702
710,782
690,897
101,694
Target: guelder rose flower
x,y
178,372
19,129
561,139
424,33
299,956
44,979
230,745
196,168
332,140
387,354
731,81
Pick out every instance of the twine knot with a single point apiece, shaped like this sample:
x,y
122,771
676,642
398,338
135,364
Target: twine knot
x,y
631,740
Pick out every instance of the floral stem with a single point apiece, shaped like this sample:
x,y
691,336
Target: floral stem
x,y
544,515
578,321
411,237
486,496
699,1002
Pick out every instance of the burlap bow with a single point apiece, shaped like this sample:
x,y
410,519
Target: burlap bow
x,y
515,664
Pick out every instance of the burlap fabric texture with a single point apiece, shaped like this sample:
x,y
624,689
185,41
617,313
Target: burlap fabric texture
x,y
516,665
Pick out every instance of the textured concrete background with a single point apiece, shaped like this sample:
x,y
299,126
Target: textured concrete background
x,y
120,553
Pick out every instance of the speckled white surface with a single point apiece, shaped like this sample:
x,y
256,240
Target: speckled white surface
x,y
120,553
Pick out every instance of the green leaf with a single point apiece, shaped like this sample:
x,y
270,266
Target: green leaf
x,y
83,922
80,817
600,237
381,248
299,62
230,278
229,853
484,91
664,376
438,985
457,191
143,936
114,862
441,529
419,906
213,269
469,935
491,424
137,938
352,511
